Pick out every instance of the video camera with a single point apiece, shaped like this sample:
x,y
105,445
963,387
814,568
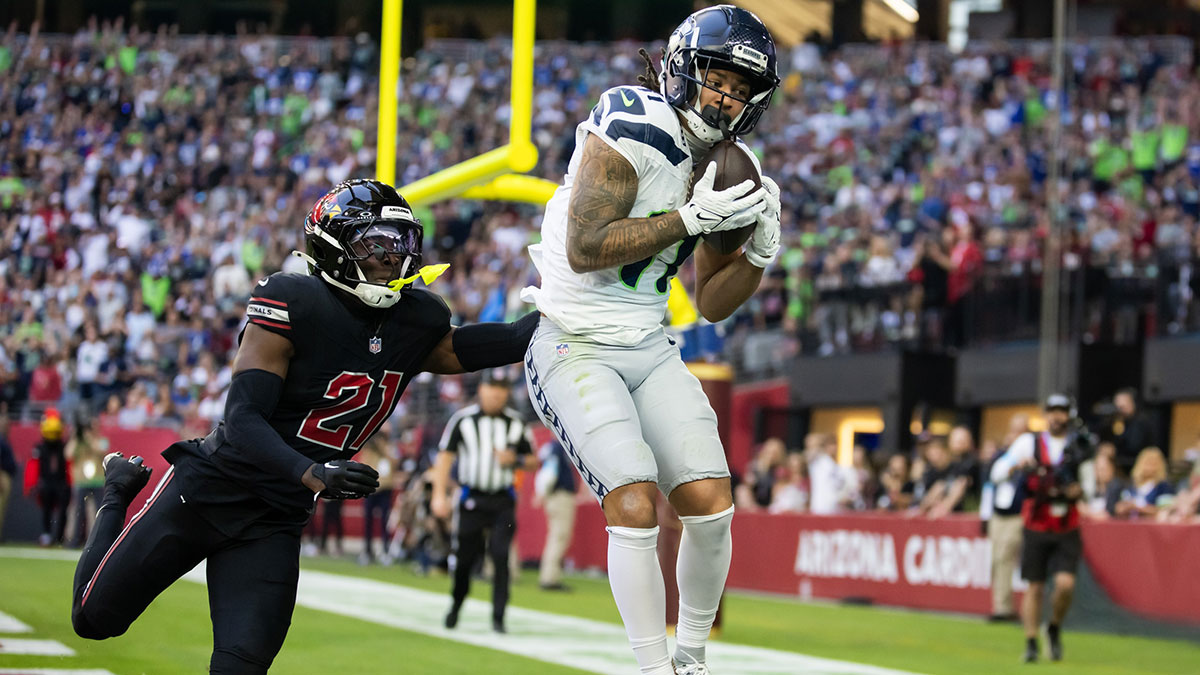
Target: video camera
x,y
1052,481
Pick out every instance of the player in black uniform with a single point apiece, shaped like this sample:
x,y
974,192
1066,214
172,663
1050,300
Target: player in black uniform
x,y
320,365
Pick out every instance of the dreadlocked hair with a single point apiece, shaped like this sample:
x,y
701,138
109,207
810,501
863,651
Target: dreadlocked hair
x,y
649,79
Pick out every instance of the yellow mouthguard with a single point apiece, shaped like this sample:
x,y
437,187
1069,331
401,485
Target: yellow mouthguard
x,y
427,274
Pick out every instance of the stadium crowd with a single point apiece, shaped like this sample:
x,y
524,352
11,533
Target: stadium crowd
x,y
148,179
1123,473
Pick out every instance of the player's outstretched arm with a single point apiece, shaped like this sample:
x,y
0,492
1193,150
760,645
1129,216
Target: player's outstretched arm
x,y
259,369
482,345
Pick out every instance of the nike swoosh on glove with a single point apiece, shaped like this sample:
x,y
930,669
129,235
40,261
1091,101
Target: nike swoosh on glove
x,y
716,210
346,479
764,243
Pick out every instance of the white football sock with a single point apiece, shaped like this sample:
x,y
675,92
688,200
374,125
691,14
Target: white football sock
x,y
637,586
705,549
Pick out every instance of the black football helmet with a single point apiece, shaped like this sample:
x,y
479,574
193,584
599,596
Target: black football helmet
x,y
357,219
719,38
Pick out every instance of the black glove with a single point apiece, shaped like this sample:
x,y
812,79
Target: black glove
x,y
346,479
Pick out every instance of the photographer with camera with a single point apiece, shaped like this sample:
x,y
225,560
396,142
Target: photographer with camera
x,y
1046,464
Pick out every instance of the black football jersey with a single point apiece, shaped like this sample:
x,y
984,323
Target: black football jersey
x,y
350,365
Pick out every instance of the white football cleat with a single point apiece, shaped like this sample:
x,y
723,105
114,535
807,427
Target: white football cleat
x,y
692,669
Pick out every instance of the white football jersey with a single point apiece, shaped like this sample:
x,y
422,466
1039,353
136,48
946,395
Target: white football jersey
x,y
619,305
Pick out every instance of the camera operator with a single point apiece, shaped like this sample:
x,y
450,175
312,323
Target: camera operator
x,y
1047,465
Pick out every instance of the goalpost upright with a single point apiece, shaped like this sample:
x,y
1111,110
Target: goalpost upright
x,y
494,174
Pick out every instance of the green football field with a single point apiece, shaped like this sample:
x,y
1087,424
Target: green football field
x,y
174,635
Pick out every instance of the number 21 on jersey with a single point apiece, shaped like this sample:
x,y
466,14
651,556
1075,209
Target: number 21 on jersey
x,y
316,427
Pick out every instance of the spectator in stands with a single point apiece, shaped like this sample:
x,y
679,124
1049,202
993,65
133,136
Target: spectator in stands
x,y
966,264
86,450
89,356
863,484
1101,502
896,487
961,484
8,467
930,271
1128,429
827,480
50,481
935,484
45,382
791,493
556,490
1150,491
758,483
1187,502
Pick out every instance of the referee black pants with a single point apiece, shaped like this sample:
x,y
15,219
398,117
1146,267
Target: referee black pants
x,y
251,582
490,516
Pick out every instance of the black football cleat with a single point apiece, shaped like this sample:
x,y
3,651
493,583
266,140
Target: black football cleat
x,y
1056,648
498,626
451,618
125,477
1031,652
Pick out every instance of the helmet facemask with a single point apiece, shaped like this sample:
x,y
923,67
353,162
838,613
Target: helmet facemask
x,y
710,123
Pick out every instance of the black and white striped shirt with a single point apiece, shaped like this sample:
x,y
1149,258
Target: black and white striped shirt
x,y
476,438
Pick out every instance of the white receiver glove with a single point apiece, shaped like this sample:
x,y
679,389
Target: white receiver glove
x,y
763,246
718,210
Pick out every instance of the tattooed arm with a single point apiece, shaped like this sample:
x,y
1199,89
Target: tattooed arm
x,y
600,233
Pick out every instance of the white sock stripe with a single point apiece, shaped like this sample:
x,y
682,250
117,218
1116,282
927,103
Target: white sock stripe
x,y
648,641
684,607
707,519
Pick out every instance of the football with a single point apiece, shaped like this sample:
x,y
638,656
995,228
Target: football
x,y
733,166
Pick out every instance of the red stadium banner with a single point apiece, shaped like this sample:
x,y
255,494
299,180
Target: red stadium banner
x,y
884,559
1149,568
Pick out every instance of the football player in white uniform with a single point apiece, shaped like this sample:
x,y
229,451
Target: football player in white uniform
x,y
601,371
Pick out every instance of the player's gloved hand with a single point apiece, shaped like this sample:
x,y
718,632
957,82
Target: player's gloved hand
x,y
716,210
344,479
763,246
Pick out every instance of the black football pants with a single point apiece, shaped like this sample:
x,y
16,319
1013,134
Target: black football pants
x,y
251,583
479,513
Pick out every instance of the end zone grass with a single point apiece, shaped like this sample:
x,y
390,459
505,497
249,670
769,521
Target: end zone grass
x,y
174,636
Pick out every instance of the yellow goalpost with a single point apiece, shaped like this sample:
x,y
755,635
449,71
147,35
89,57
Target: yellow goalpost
x,y
494,175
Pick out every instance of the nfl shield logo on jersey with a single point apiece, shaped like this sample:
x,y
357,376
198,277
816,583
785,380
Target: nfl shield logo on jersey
x,y
562,348
375,345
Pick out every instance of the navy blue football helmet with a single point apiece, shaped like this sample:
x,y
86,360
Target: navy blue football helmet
x,y
719,38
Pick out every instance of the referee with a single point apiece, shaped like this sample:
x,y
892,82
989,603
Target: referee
x,y
489,442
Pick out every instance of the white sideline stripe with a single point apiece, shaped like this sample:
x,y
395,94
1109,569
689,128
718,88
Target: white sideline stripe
x,y
11,624
12,646
54,671
592,646
583,644
39,553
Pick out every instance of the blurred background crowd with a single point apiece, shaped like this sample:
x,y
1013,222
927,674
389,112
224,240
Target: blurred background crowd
x,y
149,179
